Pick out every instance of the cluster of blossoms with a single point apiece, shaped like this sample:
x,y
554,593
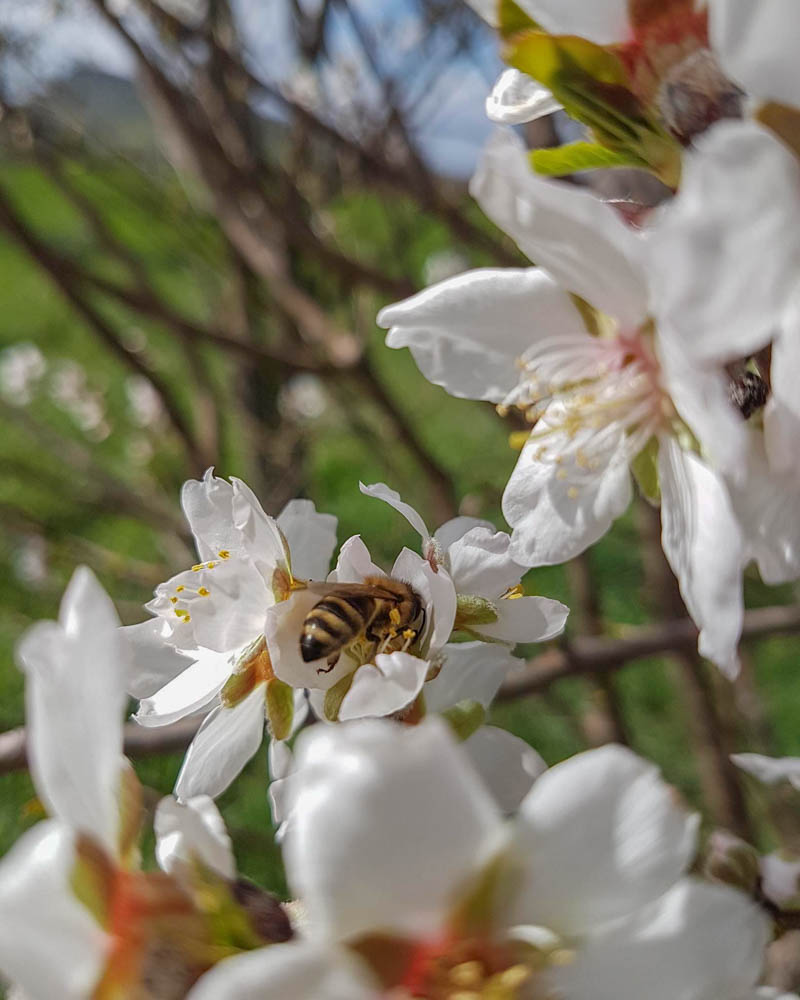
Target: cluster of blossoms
x,y
433,856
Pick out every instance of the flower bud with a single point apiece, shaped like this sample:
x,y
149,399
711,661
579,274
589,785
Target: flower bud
x,y
732,861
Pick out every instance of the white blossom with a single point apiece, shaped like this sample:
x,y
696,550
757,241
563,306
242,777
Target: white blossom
x,y
583,895
597,398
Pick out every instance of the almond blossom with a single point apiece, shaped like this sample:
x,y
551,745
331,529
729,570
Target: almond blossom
x,y
78,918
573,347
490,602
204,650
584,894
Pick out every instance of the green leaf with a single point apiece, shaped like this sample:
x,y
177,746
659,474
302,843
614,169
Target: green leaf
x,y
593,86
465,718
511,19
645,471
280,708
577,156
334,697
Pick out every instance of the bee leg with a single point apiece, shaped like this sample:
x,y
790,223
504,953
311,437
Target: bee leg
x,y
332,661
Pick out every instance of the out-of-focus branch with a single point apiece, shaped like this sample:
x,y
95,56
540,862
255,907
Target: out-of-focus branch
x,y
51,264
590,654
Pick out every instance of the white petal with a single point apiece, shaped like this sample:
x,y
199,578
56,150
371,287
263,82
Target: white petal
x,y
526,619
437,592
766,505
553,519
294,971
456,528
600,836
194,831
783,406
283,628
725,254
702,542
466,332
74,697
431,825
697,941
757,45
230,614
770,770
576,237
223,745
507,765
516,99
390,685
207,505
50,946
605,22
189,692
380,491
261,538
472,671
354,563
479,563
153,660
701,394
311,537
780,879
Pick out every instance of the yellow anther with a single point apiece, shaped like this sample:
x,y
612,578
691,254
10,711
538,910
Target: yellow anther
x,y
561,474
210,565
513,593
467,974
187,617
394,616
518,439
581,459
203,592
196,568
561,956
173,600
181,612
224,554
573,492
513,978
179,589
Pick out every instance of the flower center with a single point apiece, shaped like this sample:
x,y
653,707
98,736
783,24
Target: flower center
x,y
589,400
466,969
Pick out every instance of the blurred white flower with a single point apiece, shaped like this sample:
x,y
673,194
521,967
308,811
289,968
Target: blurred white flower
x,y
204,649
443,264
602,400
70,390
303,397
582,896
22,367
143,401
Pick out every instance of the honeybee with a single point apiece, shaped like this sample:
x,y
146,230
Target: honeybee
x,y
376,610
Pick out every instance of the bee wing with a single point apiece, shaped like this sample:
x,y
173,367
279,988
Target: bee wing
x,y
350,590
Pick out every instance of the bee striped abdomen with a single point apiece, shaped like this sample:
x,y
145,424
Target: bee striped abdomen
x,y
333,623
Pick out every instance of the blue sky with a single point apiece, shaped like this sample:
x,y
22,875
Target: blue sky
x,y
448,92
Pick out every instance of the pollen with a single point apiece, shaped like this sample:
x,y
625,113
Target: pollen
x,y
467,974
573,492
210,565
197,567
224,554
394,616
179,589
173,600
203,592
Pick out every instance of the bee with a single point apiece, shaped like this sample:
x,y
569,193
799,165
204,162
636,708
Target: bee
x,y
376,610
